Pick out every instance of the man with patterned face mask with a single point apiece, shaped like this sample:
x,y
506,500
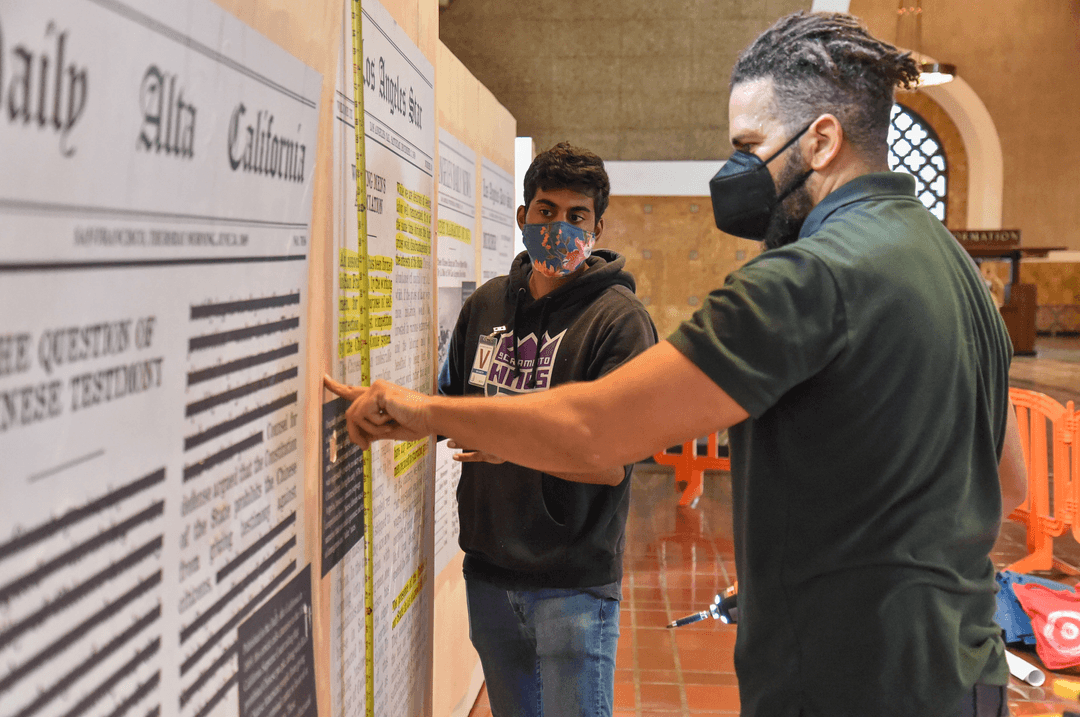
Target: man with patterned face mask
x,y
543,551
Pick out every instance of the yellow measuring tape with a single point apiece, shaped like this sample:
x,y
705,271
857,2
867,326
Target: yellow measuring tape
x,y
365,353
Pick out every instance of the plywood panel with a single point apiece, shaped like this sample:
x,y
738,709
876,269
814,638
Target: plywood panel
x,y
302,28
427,29
455,660
406,13
456,97
498,128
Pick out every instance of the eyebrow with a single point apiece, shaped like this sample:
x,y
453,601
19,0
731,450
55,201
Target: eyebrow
x,y
747,135
553,205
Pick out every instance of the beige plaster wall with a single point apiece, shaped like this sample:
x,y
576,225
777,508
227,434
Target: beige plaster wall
x,y
675,252
1022,58
647,80
629,79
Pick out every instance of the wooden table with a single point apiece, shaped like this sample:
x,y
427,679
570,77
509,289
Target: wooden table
x,y
1019,311
1013,254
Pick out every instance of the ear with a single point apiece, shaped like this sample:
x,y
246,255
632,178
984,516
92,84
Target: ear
x,y
599,229
521,217
826,139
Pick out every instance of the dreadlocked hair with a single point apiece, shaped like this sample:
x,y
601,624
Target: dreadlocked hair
x,y
565,166
829,63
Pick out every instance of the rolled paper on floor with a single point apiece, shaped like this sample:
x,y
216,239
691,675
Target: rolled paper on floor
x,y
1024,670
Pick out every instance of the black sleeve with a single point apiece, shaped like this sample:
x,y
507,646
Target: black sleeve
x,y
629,335
776,322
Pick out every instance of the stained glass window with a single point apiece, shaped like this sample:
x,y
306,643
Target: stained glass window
x,y
914,148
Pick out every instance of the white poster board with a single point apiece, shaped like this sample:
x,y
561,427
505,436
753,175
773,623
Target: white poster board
x,y
342,465
154,212
498,220
457,280
399,126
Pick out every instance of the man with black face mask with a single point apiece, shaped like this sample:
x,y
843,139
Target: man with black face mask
x,y
746,201
862,368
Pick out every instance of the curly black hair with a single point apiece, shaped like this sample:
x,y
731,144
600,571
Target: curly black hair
x,y
567,167
829,63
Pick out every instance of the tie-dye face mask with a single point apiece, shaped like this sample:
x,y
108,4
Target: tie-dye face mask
x,y
558,248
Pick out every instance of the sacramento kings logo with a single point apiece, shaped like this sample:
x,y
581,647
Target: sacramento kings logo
x,y
531,358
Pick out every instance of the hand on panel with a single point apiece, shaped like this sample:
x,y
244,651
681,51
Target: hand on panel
x,y
385,411
468,455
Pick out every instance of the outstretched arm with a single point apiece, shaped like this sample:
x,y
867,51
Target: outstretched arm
x,y
1012,471
611,476
656,400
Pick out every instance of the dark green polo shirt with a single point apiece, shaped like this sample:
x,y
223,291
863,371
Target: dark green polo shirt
x,y
874,366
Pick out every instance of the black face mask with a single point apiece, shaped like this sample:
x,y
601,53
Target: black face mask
x,y
744,195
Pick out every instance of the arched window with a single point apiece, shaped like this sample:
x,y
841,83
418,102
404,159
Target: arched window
x,y
914,148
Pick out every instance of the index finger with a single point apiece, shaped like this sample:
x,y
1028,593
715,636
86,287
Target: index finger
x,y
347,392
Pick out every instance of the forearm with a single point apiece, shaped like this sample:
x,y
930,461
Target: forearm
x,y
611,476
548,431
1012,470
619,419
656,400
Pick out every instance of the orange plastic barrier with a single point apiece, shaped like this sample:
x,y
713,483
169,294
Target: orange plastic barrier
x,y
690,467
1050,438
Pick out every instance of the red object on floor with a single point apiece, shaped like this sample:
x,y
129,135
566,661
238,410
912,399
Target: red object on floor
x,y
1055,620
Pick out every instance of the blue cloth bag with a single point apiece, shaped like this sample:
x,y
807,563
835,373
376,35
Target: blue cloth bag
x,y
1012,618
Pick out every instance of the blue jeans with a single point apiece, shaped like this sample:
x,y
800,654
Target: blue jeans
x,y
985,701
545,653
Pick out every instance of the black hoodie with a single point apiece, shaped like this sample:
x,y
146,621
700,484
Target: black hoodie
x,y
520,528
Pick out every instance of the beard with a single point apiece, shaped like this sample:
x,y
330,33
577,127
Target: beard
x,y
789,215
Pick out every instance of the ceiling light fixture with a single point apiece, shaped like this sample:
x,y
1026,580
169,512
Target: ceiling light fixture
x,y
909,34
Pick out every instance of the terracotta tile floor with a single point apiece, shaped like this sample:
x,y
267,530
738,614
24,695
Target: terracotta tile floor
x,y
678,558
